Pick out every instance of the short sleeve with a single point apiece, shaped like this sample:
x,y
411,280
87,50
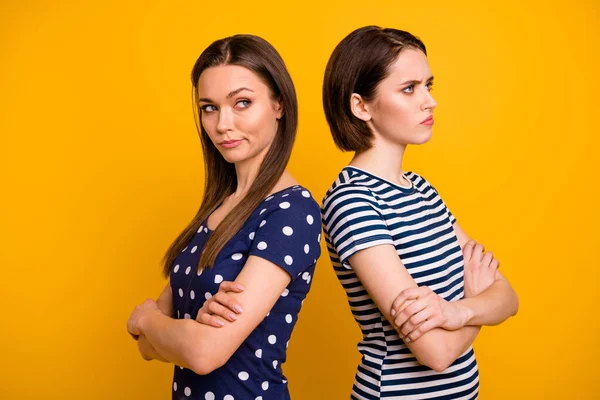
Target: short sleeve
x,y
353,222
448,212
289,233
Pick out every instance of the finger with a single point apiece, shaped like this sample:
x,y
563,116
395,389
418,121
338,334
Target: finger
x,y
415,307
423,329
210,320
414,321
478,252
415,294
468,249
217,309
228,301
406,294
419,293
487,259
495,264
228,286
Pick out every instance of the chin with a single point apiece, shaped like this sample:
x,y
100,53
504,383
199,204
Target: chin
x,y
234,157
422,139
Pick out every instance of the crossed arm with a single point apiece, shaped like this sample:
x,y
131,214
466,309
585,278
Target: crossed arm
x,y
203,348
436,331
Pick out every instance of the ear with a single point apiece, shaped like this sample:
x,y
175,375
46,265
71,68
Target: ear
x,y
359,107
279,109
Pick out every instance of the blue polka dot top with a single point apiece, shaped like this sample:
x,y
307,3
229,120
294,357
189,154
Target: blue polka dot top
x,y
285,229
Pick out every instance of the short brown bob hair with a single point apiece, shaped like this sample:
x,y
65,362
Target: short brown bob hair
x,y
357,65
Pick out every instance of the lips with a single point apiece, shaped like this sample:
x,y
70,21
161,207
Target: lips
x,y
229,144
428,121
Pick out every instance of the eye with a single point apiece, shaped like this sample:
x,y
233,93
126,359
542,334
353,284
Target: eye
x,y
409,89
243,103
208,108
429,86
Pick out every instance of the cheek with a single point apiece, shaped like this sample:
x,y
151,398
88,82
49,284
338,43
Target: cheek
x,y
260,123
209,126
395,110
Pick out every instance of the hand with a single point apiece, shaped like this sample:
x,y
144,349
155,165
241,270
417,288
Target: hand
x,y
138,312
480,268
221,306
419,310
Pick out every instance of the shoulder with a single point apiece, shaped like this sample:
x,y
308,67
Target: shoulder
x,y
425,187
294,202
350,186
419,181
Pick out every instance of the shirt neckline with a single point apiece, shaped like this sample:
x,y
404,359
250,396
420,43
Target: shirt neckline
x,y
272,195
404,189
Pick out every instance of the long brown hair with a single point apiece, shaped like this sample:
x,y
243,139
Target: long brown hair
x,y
257,55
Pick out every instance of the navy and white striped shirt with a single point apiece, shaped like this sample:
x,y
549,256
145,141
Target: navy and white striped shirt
x,y
361,210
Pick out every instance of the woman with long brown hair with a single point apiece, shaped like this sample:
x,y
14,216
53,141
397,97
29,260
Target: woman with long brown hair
x,y
256,226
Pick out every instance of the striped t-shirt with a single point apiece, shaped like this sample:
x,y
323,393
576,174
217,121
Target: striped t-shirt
x,y
361,210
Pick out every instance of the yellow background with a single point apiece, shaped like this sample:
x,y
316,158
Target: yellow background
x,y
101,168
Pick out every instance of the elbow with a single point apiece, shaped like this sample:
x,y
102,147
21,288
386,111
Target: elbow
x,y
515,308
437,355
514,303
204,354
143,349
438,364
439,361
204,359
203,367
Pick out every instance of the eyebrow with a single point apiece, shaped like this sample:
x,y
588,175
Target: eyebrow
x,y
415,82
230,95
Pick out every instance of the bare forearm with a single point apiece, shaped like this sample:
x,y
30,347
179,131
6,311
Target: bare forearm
x,y
148,351
165,304
167,336
439,348
493,306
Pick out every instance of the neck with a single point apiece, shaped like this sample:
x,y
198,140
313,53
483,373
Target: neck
x,y
383,159
246,172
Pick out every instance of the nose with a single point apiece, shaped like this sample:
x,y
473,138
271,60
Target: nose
x,y
225,122
429,103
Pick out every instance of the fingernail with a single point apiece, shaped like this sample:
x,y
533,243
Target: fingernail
x,y
393,312
238,308
240,287
220,323
406,340
232,316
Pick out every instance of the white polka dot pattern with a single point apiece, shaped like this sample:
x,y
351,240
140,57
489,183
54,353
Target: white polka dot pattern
x,y
282,231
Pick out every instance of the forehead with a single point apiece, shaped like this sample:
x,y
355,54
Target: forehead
x,y
410,64
219,81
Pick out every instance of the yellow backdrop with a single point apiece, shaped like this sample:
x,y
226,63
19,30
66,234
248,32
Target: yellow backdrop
x,y
101,168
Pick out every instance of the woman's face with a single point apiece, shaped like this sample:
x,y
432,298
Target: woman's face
x,y
402,110
238,112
